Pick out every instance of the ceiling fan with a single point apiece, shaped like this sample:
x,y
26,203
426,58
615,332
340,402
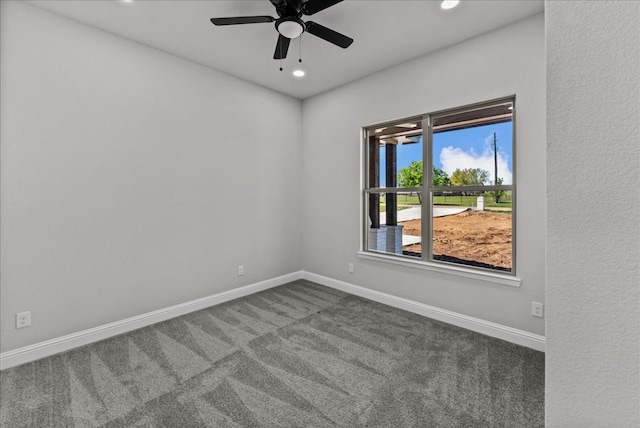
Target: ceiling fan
x,y
290,25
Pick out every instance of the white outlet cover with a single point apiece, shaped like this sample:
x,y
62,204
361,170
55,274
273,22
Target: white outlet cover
x,y
23,319
537,309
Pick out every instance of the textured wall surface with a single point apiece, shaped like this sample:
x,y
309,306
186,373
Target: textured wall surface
x,y
593,232
505,62
133,180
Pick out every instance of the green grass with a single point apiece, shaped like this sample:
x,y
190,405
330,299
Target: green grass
x,y
406,201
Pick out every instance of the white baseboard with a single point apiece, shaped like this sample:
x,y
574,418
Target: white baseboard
x,y
519,337
65,343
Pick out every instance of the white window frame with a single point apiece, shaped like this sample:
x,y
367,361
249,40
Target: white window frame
x,y
426,261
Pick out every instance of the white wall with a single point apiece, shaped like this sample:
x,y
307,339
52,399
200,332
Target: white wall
x,y
593,231
133,180
505,62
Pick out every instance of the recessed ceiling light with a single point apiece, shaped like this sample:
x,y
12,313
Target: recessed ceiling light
x,y
449,4
298,73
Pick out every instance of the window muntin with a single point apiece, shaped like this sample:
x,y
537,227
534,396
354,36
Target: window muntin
x,y
467,196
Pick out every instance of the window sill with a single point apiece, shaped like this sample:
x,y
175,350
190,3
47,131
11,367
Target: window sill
x,y
493,278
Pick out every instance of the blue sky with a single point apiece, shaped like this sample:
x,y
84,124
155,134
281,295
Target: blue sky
x,y
463,148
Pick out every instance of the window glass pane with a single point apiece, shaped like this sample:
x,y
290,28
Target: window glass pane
x,y
474,147
391,150
410,218
395,223
473,230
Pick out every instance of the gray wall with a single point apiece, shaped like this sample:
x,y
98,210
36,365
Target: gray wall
x,y
133,180
593,232
505,62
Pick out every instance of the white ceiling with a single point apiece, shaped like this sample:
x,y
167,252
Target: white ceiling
x,y
385,32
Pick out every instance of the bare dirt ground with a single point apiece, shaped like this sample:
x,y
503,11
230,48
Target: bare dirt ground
x,y
480,238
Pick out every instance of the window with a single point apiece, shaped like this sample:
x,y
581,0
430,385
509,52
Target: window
x,y
440,188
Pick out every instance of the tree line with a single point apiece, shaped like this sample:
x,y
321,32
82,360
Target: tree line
x,y
412,176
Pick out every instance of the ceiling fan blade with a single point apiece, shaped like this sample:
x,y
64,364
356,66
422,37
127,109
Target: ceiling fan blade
x,y
281,47
235,20
328,34
315,6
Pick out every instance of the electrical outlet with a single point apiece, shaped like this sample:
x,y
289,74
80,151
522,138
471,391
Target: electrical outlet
x,y
23,319
537,309
240,270
350,267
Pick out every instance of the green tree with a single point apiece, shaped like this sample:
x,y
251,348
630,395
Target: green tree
x,y
411,176
440,178
469,177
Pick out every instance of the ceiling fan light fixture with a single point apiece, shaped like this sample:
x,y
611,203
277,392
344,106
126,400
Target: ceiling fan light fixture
x,y
449,4
290,28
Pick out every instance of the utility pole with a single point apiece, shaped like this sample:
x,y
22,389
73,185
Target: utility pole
x,y
495,163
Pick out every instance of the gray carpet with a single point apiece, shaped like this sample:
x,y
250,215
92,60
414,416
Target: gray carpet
x,y
299,355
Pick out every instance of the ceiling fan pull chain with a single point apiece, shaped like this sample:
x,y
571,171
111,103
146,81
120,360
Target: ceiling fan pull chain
x,y
300,45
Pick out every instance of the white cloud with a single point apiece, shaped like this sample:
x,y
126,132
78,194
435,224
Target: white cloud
x,y
453,158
